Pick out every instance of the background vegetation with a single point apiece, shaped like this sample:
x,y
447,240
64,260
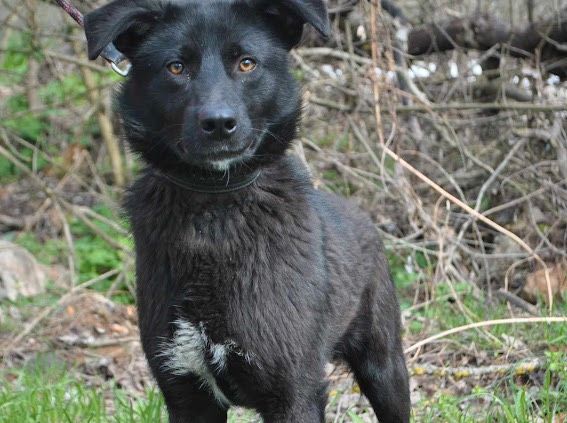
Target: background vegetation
x,y
468,94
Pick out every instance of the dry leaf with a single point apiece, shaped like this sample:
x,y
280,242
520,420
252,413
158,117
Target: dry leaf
x,y
72,156
119,329
536,283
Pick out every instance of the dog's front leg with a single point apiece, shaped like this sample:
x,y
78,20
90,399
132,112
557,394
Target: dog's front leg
x,y
309,409
188,398
311,414
187,402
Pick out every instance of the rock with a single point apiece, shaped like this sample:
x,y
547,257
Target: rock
x,y
20,273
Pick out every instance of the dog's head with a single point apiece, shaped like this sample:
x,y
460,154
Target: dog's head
x,y
210,84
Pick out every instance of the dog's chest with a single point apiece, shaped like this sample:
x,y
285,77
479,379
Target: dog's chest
x,y
225,275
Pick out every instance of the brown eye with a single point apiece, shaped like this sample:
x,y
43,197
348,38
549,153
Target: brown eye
x,y
247,65
176,68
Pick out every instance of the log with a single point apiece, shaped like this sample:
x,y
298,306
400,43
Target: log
x,y
482,32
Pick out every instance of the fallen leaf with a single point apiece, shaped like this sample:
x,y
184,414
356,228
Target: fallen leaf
x,y
131,311
119,329
536,283
72,156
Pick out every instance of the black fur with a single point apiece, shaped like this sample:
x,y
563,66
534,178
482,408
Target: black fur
x,y
290,276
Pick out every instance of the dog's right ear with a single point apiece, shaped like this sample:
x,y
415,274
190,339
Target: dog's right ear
x,y
124,22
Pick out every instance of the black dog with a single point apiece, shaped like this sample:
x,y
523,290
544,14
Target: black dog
x,y
249,280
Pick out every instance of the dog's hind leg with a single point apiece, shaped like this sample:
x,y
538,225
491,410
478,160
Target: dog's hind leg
x,y
384,381
374,352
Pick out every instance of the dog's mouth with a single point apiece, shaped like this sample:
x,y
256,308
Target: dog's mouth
x,y
229,154
223,160
220,157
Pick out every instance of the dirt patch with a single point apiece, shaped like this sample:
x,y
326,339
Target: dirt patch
x,y
96,338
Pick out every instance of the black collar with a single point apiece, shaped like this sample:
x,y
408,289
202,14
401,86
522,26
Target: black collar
x,y
211,185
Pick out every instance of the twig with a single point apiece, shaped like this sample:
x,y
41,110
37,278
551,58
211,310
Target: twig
x,y
516,369
375,9
440,190
486,323
338,54
105,125
78,212
70,244
102,343
451,197
524,107
518,302
449,107
75,61
329,103
521,199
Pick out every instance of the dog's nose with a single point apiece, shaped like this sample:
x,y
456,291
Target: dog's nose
x,y
218,122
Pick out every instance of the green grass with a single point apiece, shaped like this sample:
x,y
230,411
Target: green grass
x,y
444,312
521,405
46,393
57,97
93,254
337,184
42,394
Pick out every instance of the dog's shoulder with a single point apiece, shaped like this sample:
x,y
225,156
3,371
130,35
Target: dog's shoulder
x,y
341,213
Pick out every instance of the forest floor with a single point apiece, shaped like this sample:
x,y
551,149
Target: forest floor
x,y
81,361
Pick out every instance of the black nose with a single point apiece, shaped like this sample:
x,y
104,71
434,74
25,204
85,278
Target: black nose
x,y
218,122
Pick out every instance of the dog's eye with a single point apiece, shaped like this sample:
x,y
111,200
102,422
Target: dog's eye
x,y
247,65
176,68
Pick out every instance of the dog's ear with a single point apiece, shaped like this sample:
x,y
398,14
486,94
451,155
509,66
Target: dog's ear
x,y
124,22
291,15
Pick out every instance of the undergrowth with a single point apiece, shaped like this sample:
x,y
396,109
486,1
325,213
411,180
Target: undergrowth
x,y
45,392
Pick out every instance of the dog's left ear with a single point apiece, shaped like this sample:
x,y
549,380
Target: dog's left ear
x,y
291,15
